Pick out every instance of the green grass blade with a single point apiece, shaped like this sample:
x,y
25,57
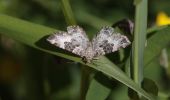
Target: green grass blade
x,y
139,40
136,2
104,65
155,29
98,88
68,12
35,36
28,33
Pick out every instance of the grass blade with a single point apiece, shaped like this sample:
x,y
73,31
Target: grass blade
x,y
68,12
139,40
97,86
35,36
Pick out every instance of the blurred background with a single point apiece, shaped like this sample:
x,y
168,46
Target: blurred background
x,y
30,74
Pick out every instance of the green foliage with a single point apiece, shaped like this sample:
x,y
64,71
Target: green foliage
x,y
139,40
38,41
155,44
46,75
150,86
99,86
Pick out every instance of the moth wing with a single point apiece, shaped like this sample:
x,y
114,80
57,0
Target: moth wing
x,y
74,40
107,41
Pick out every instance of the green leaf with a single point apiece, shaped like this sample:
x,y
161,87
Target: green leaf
x,y
108,68
100,86
31,34
66,7
35,36
155,44
150,86
133,95
139,40
155,29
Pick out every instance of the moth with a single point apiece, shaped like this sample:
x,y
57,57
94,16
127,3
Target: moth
x,y
76,41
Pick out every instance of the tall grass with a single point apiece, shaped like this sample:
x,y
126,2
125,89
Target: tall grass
x,y
35,36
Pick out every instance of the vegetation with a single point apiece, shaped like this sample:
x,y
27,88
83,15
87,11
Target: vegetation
x,y
31,68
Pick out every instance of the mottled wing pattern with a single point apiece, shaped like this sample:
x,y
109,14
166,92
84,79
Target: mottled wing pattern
x,y
108,41
74,40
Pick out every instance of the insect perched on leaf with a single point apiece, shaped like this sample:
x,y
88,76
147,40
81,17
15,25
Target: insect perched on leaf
x,y
76,41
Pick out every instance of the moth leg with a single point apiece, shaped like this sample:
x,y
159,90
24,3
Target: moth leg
x,y
85,60
95,59
97,62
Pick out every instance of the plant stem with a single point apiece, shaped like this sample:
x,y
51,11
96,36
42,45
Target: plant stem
x,y
68,12
139,40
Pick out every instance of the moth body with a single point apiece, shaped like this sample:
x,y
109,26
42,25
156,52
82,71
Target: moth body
x,y
76,41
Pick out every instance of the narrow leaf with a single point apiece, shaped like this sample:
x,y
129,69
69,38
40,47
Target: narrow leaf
x,y
35,36
139,40
100,86
68,12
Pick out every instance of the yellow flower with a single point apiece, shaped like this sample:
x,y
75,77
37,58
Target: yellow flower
x,y
162,19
